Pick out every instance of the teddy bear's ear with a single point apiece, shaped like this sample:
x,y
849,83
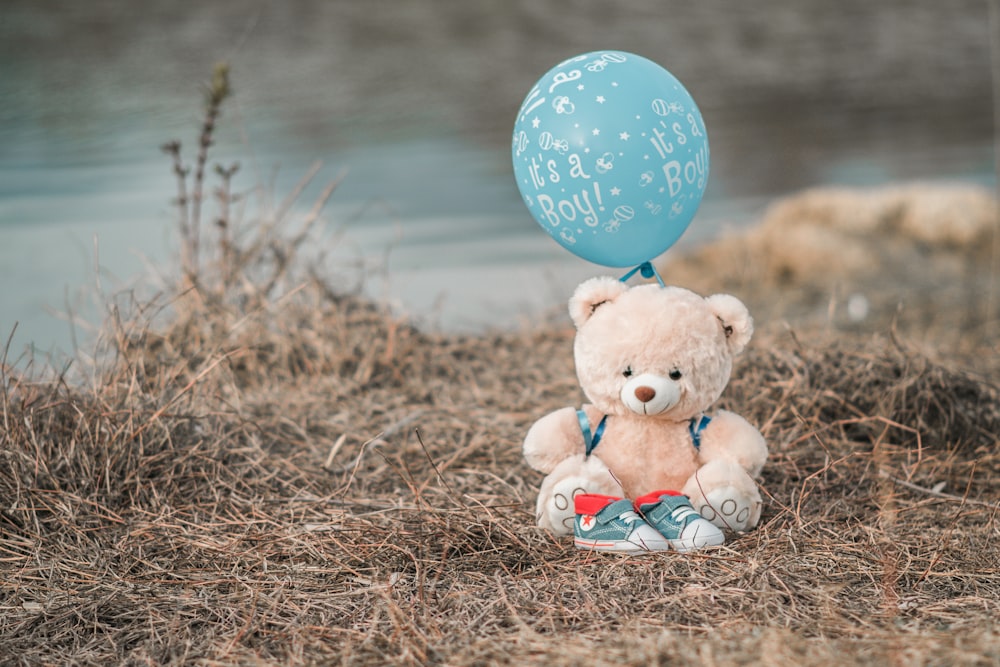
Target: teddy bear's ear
x,y
734,318
591,295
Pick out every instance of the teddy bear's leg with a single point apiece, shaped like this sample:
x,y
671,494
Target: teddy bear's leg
x,y
724,493
573,476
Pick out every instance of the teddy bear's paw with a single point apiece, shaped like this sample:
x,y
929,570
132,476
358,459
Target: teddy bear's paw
x,y
731,509
557,512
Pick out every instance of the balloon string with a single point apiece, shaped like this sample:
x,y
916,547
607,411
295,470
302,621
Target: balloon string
x,y
647,270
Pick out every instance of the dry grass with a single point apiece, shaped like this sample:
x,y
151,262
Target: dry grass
x,y
264,471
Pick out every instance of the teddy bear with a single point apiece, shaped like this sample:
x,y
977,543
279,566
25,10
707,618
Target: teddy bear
x,y
651,359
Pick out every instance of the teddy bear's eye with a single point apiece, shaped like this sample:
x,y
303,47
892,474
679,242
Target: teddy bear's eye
x,y
627,372
676,375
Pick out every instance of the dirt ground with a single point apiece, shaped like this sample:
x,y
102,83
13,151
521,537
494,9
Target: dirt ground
x,y
258,469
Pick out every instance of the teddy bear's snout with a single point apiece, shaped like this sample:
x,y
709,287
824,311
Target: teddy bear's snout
x,y
650,394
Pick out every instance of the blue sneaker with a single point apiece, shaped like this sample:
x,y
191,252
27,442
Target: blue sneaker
x,y
677,521
606,523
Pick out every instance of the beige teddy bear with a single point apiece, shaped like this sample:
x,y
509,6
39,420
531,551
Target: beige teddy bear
x,y
651,360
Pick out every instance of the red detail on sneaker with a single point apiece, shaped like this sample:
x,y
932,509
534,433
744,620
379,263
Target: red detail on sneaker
x,y
587,521
653,497
591,503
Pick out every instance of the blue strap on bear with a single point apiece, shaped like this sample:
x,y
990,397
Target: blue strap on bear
x,y
695,427
590,441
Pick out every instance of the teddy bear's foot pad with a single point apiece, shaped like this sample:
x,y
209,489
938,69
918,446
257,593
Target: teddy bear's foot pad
x,y
559,506
731,510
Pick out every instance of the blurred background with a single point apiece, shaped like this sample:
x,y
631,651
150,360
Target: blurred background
x,y
415,101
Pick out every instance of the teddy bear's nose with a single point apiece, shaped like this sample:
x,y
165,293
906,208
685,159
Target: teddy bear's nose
x,y
645,394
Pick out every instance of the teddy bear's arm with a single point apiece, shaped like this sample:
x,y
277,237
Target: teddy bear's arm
x,y
731,437
555,437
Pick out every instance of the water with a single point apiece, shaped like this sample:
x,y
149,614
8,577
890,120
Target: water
x,y
416,101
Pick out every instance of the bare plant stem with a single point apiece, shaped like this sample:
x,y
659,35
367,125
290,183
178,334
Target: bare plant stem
x,y
224,194
217,92
173,149
992,315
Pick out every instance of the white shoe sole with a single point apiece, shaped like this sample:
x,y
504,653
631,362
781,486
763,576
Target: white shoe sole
x,y
643,539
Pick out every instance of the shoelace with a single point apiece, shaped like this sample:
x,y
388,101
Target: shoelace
x,y
629,517
682,513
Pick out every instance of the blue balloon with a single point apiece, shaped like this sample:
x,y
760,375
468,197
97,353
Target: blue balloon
x,y
611,156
